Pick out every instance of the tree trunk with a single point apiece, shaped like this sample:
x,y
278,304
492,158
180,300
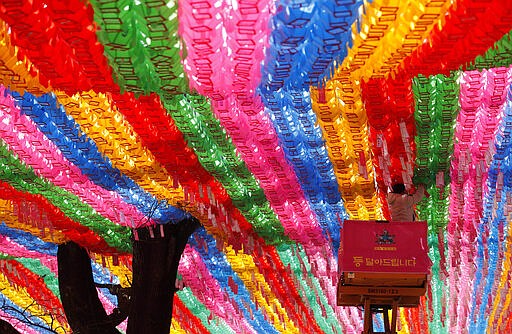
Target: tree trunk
x,y
83,308
7,328
156,256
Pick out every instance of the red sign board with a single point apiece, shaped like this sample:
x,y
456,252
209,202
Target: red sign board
x,y
384,247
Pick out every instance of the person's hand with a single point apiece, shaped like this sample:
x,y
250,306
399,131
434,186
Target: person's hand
x,y
422,187
425,192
